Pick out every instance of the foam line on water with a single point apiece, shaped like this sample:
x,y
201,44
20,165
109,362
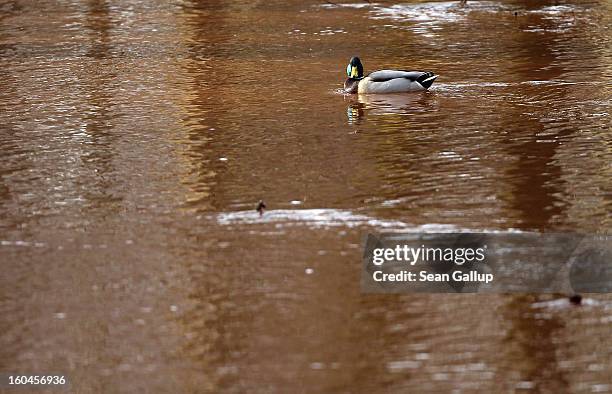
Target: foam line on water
x,y
324,218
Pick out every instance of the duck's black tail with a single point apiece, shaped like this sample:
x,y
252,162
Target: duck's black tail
x,y
427,79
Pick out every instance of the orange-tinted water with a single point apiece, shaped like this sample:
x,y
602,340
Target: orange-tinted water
x,y
138,137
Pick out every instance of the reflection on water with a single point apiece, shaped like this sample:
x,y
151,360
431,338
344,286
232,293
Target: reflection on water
x,y
138,137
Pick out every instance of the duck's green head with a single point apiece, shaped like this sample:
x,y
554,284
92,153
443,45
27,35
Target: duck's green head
x,y
354,69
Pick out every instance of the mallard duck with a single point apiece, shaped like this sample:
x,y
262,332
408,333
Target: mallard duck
x,y
385,81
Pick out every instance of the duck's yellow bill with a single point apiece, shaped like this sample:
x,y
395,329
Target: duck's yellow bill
x,y
354,72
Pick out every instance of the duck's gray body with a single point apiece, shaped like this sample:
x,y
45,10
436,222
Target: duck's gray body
x,y
395,81
385,81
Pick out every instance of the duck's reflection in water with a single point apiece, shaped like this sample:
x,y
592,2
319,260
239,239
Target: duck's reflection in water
x,y
401,104
355,112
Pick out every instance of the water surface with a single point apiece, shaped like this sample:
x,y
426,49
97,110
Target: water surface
x,y
137,138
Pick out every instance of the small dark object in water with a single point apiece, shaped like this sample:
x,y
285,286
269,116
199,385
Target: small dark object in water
x,y
515,14
575,299
261,206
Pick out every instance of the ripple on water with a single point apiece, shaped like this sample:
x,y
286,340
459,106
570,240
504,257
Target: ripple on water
x,y
426,18
323,218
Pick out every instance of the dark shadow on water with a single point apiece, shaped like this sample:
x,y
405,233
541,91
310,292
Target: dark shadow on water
x,y
101,113
532,342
